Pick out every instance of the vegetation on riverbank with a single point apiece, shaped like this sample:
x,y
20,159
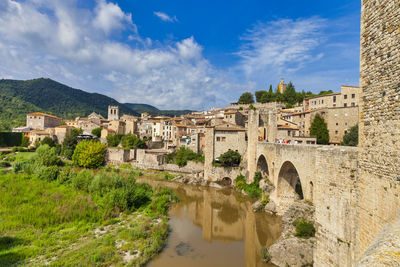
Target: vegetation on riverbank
x,y
62,215
182,156
253,189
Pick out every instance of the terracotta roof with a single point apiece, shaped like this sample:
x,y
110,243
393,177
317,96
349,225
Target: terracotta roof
x,y
332,94
43,114
233,129
231,112
285,127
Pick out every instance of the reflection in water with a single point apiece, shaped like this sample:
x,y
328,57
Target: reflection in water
x,y
215,227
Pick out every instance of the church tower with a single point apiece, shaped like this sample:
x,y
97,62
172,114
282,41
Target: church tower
x,y
113,113
282,86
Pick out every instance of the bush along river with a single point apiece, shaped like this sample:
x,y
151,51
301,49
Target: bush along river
x,y
215,227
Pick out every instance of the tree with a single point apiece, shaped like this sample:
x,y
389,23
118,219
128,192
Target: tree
x,y
89,154
259,95
131,141
97,131
48,141
289,96
70,142
246,98
230,158
319,129
351,137
113,140
25,141
46,156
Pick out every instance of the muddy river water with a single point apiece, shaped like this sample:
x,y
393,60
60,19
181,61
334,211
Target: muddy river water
x,y
214,227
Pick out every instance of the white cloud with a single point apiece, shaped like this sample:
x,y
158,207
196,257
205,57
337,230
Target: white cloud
x,y
281,47
73,46
165,17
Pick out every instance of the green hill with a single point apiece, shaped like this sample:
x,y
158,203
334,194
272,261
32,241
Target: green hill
x,y
45,95
139,108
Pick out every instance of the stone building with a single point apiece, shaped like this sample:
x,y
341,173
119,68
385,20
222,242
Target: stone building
x,y
113,113
348,97
41,121
282,86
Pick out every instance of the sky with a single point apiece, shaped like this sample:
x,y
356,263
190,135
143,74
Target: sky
x,y
180,54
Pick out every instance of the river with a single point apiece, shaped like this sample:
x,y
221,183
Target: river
x,y
214,227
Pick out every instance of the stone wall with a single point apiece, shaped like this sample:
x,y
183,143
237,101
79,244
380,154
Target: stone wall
x,y
379,158
334,200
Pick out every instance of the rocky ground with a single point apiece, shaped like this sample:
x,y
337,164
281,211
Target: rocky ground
x,y
290,250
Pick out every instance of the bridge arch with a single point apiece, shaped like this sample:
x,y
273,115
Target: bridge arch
x,y
289,187
262,166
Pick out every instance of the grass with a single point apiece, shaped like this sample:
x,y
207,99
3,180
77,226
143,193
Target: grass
x,y
21,156
45,222
304,228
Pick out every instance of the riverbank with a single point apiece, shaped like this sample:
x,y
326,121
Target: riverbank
x,y
67,221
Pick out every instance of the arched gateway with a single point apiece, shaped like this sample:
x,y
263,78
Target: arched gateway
x,y
289,184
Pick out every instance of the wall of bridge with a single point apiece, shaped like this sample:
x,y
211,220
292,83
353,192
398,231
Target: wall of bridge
x,y
328,179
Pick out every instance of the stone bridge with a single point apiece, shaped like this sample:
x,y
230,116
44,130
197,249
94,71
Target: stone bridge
x,y
324,175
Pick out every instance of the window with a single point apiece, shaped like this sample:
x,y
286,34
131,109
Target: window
x,y
345,96
345,104
322,101
353,95
345,132
336,132
218,139
334,99
353,104
337,124
223,139
288,133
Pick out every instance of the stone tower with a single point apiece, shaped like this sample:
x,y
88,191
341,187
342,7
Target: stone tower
x,y
378,193
113,113
282,86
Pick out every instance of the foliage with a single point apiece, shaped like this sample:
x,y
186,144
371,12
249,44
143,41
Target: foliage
x,y
289,96
48,141
4,164
351,137
8,139
246,98
266,256
47,173
70,142
319,129
113,140
252,107
253,189
183,155
46,156
97,131
131,141
89,154
25,141
264,199
304,228
230,158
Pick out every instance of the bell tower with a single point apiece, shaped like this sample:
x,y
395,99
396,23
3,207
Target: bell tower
x,y
113,113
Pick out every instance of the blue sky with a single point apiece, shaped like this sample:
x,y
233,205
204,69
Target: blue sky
x,y
181,54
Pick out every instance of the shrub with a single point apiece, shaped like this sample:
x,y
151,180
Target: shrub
x,y
48,141
351,137
230,158
304,229
4,164
89,154
113,140
10,139
24,166
65,175
131,141
183,155
82,180
70,142
265,254
97,131
46,156
47,173
25,141
253,189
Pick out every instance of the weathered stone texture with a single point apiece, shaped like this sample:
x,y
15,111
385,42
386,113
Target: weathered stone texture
x,y
379,158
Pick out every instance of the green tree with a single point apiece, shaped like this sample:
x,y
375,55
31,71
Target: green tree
x,y
289,96
113,140
259,95
70,142
89,154
25,141
131,141
351,137
319,129
97,131
246,98
46,156
230,158
48,141
183,155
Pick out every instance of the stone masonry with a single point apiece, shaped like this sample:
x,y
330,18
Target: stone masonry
x,y
379,157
